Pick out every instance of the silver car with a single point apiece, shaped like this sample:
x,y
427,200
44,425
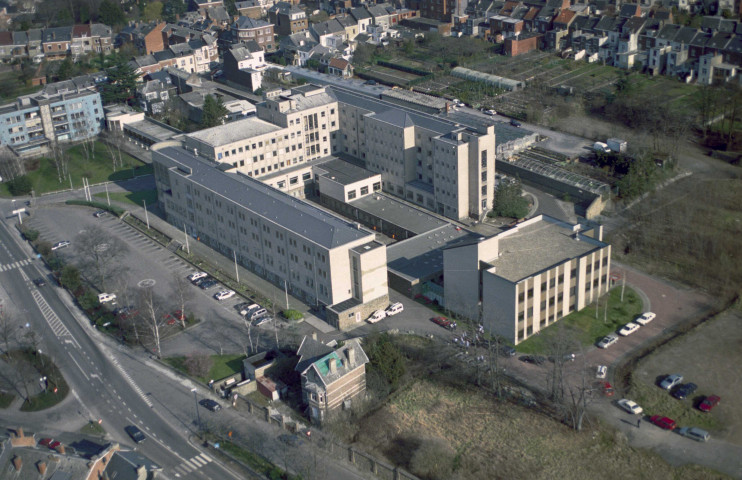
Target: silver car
x,y
671,380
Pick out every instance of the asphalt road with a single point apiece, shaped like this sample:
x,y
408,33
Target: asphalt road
x,y
98,380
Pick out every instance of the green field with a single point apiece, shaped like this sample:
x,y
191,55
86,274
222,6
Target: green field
x,y
98,168
586,327
132,198
223,366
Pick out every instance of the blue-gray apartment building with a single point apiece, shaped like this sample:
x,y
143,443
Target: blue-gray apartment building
x,y
65,111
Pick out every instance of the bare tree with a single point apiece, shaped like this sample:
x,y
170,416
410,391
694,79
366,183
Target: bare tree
x,y
114,142
150,311
60,159
248,326
7,328
198,364
560,347
100,252
579,398
181,286
11,165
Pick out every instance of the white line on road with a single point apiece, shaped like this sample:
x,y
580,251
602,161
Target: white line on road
x,y
78,366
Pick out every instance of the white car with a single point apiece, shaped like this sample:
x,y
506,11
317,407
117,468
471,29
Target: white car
x,y
607,341
630,406
106,297
394,309
195,276
628,329
645,318
601,371
224,294
490,112
377,316
249,309
62,244
262,320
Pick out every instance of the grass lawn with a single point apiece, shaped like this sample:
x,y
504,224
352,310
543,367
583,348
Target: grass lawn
x,y
587,328
6,399
223,366
134,198
99,168
93,428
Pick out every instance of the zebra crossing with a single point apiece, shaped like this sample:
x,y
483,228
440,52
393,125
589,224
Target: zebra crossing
x,y
56,325
10,266
192,465
131,382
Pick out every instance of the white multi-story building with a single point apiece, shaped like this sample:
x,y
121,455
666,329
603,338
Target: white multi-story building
x,y
318,257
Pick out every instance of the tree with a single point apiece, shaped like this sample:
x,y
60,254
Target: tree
x,y
433,459
385,357
509,201
198,364
70,278
182,288
61,160
150,311
100,253
214,112
111,13
11,165
560,346
20,186
122,82
171,8
152,11
7,328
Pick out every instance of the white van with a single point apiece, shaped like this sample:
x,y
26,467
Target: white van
x,y
261,312
394,309
377,316
106,297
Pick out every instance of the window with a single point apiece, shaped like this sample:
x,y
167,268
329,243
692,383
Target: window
x,y
364,190
306,176
351,195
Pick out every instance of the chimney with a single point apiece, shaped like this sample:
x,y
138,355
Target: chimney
x,y
61,448
19,432
351,353
331,363
141,472
314,336
17,463
41,465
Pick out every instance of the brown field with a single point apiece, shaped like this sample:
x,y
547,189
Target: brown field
x,y
490,439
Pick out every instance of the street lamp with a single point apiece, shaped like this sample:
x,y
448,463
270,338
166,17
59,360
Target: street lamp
x,y
198,415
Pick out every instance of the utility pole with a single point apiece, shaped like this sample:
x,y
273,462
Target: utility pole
x,y
108,198
236,271
146,216
185,234
286,291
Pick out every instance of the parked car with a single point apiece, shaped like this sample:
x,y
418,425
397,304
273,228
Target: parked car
x,y
135,433
106,297
207,284
709,403
490,112
515,122
442,321
179,315
370,82
601,371
291,440
168,319
671,380
377,316
210,404
39,282
195,276
507,351
695,433
683,391
535,359
261,321
629,406
45,442
257,313
224,294
62,244
645,318
249,309
100,213
663,422
394,309
201,280
607,341
628,329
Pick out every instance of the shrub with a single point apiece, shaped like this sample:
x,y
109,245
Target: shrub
x,y
385,357
101,206
291,314
30,234
509,201
70,278
20,186
433,459
198,364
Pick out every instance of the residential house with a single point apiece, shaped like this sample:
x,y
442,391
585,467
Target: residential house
x,y
153,38
363,18
556,38
287,18
56,42
330,378
219,17
380,14
712,70
153,95
298,48
441,10
350,25
260,31
250,8
330,34
203,5
340,67
245,65
524,43
146,64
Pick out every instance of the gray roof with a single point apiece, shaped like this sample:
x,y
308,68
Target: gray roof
x,y
421,257
399,213
123,465
309,351
247,23
377,11
343,365
360,13
328,28
345,173
285,8
57,34
398,118
533,248
298,216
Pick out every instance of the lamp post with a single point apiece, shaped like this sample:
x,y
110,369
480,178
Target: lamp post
x,y
146,215
198,415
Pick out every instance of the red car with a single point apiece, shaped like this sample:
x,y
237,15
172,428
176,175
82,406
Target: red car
x,y
709,402
167,318
663,422
442,321
45,442
178,314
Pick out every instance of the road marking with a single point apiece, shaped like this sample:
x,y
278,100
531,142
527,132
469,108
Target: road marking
x,y
10,266
56,325
131,382
78,366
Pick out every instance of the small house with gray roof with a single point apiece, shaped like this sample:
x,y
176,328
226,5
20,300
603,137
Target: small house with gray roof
x,y
331,378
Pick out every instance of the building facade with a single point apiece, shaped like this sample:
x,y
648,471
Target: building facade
x,y
527,278
318,257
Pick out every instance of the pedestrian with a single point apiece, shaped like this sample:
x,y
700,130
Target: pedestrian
x,y
639,423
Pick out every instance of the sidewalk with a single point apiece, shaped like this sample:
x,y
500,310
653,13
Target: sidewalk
x,y
226,266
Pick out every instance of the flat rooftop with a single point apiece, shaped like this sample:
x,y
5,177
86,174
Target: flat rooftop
x,y
152,130
238,131
399,213
297,216
533,248
422,256
343,172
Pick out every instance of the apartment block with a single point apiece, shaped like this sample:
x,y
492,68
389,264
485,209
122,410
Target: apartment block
x,y
63,111
526,278
318,257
